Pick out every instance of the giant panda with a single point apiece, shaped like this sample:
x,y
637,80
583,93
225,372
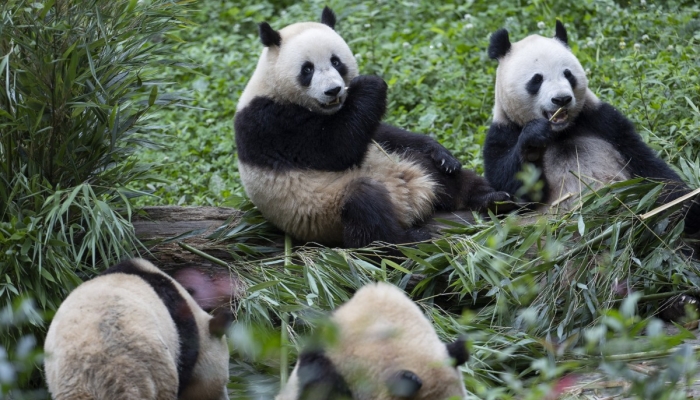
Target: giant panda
x,y
316,160
135,333
385,349
588,143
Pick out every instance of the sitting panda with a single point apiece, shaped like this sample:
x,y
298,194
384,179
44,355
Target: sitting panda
x,y
318,163
386,349
135,333
538,76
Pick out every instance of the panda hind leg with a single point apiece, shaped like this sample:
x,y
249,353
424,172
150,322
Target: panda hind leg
x,y
368,215
466,190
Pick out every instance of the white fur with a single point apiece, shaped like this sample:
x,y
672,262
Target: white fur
x,y
278,67
595,164
549,57
308,202
381,331
113,338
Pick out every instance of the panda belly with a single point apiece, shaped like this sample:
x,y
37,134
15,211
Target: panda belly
x,y
308,203
571,166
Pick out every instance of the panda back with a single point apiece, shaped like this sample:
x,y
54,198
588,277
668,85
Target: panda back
x,y
109,329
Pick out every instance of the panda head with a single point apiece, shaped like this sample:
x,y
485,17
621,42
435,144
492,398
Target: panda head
x,y
306,63
535,77
385,349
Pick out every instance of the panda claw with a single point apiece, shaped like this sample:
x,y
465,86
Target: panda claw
x,y
443,162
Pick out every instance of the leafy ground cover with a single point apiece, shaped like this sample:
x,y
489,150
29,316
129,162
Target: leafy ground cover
x,y
546,300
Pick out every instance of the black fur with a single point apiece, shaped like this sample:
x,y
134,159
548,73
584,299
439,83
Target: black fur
x,y
368,215
459,188
306,73
560,33
286,137
458,351
508,146
179,311
404,384
500,44
571,78
339,65
221,321
328,17
268,36
534,84
319,379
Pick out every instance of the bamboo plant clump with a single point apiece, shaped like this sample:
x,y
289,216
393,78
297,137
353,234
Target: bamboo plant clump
x,y
77,90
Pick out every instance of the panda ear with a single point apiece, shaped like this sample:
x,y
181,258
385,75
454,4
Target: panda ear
x,y
560,33
328,17
458,351
221,321
268,36
500,44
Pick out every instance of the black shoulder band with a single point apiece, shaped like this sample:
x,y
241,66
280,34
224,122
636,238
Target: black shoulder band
x,y
180,312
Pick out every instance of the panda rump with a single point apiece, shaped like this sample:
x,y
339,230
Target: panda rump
x,y
134,332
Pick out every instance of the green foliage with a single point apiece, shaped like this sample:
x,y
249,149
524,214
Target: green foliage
x,y
77,94
18,364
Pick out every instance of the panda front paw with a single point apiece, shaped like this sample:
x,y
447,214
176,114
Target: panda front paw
x,y
367,84
486,199
535,136
367,96
444,161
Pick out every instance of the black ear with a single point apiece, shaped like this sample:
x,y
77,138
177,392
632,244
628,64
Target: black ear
x,y
458,351
560,33
318,378
268,36
221,322
500,44
404,384
328,17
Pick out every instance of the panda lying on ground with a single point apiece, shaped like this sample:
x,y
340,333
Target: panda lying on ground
x,y
135,333
587,141
386,349
305,126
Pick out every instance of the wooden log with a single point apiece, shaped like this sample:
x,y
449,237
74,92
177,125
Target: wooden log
x,y
162,228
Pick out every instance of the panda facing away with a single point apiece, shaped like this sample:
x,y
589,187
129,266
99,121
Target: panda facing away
x,y
588,142
385,349
306,126
135,333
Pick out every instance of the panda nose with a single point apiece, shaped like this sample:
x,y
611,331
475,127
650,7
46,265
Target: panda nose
x,y
561,101
332,92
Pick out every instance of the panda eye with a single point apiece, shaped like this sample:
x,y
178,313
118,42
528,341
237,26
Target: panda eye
x,y
533,85
335,61
571,78
307,68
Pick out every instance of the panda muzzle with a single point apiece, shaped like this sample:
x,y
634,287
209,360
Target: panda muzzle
x,y
557,117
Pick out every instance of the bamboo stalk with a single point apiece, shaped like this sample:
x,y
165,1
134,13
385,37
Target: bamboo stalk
x,y
669,205
203,255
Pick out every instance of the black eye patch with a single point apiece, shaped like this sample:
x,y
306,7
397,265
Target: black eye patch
x,y
306,73
338,65
533,85
570,77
